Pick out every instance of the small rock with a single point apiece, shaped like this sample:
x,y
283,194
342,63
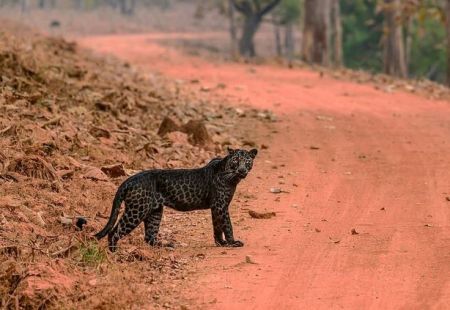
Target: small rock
x,y
177,137
168,125
240,112
313,147
354,232
276,190
103,106
447,198
65,174
99,132
323,118
249,143
258,215
197,132
336,241
65,220
95,174
317,230
249,260
3,220
114,171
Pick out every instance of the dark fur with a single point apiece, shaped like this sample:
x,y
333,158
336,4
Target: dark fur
x,y
210,187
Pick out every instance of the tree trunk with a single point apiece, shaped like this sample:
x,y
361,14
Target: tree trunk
x,y
394,47
316,35
132,7
113,3
301,28
336,33
251,25
276,29
409,40
447,24
79,4
233,31
24,5
127,7
41,4
289,42
253,12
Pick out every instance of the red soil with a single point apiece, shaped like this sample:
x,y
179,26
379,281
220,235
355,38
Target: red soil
x,y
381,169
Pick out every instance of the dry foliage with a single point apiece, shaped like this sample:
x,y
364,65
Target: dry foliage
x,y
72,127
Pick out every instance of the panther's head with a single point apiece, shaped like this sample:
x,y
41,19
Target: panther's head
x,y
239,163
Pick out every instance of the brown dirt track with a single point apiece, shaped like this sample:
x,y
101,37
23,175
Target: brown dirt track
x,y
351,158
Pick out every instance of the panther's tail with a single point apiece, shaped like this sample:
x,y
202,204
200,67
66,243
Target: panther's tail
x,y
114,212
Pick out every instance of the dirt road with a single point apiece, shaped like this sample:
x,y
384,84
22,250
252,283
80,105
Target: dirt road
x,y
351,158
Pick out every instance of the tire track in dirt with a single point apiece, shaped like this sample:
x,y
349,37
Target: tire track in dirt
x,y
381,169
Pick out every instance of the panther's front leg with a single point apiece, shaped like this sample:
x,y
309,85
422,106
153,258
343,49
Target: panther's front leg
x,y
228,231
222,225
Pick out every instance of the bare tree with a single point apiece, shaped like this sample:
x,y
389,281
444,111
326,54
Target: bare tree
x,y
127,6
289,42
253,11
447,25
394,47
276,30
79,4
336,33
316,32
233,30
24,5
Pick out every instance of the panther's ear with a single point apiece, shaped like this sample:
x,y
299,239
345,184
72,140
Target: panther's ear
x,y
230,150
253,153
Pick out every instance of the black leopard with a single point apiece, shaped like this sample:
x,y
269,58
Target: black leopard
x,y
210,187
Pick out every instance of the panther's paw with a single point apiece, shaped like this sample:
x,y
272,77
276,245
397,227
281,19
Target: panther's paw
x,y
235,244
220,242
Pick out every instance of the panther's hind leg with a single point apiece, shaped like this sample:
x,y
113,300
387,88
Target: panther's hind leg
x,y
152,222
135,212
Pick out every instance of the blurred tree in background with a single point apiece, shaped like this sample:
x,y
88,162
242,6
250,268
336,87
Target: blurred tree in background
x,y
423,36
322,32
406,38
286,16
253,12
362,32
